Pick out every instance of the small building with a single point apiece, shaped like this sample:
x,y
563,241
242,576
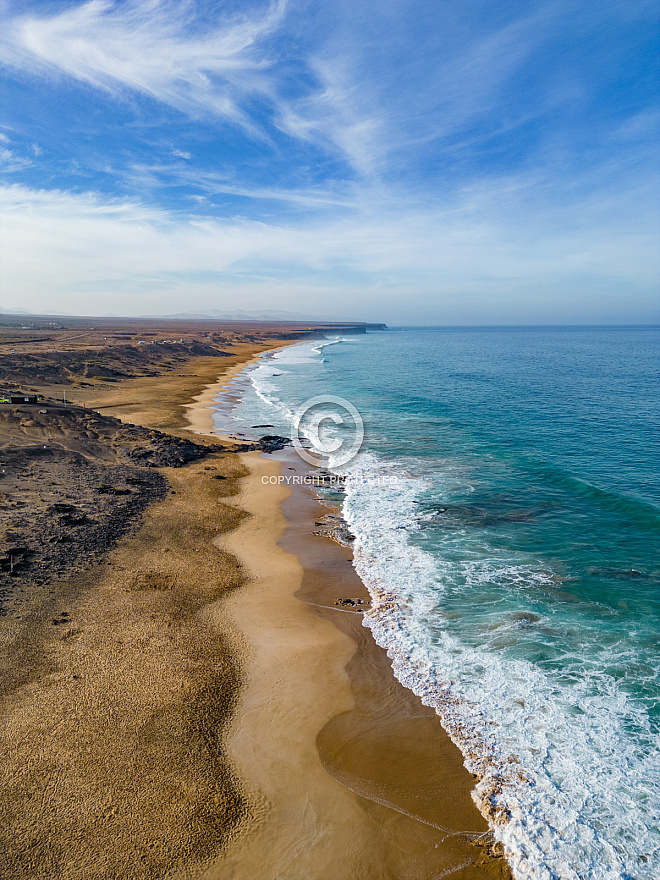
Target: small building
x,y
24,398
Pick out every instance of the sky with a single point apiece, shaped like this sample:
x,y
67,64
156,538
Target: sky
x,y
406,161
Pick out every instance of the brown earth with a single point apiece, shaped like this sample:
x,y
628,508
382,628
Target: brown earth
x,y
115,684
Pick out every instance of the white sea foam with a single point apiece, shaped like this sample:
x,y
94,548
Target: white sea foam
x,y
321,345
568,773
262,378
280,364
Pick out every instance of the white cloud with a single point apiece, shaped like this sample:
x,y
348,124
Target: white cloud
x,y
214,184
567,229
369,108
94,251
230,71
339,114
147,46
10,161
345,96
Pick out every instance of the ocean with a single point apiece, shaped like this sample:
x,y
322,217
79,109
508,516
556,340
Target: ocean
x,y
505,503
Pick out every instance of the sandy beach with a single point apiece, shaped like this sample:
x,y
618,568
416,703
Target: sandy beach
x,y
407,250
347,773
196,704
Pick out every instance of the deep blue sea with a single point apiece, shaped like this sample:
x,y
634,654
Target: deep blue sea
x,y
506,508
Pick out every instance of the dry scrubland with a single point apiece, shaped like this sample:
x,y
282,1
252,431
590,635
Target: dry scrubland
x,y
114,686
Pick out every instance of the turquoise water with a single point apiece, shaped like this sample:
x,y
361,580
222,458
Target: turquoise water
x,y
512,553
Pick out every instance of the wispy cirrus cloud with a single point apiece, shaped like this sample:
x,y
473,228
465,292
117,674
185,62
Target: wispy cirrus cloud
x,y
344,196
343,97
367,84
151,47
162,50
10,160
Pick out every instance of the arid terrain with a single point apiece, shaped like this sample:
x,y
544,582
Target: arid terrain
x,y
114,687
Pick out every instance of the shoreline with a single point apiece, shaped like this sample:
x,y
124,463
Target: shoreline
x,y
390,749
199,413
306,823
281,776
315,681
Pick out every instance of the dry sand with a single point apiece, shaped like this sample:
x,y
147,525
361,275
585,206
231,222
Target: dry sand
x,y
112,764
308,825
199,413
181,401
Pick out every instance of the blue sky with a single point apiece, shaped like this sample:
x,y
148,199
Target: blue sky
x,y
408,161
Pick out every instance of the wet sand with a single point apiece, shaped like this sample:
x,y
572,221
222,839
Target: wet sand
x,y
389,749
306,824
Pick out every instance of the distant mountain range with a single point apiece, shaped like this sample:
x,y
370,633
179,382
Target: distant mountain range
x,y
4,311
242,315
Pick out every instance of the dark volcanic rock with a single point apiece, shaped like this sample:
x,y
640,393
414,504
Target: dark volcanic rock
x,y
98,436
107,362
271,443
163,450
47,538
359,605
334,526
